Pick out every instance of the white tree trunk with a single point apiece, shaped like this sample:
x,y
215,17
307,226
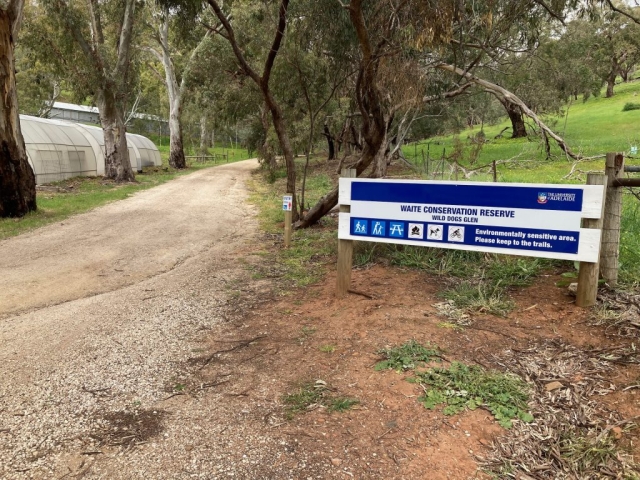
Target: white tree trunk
x,y
117,163
204,135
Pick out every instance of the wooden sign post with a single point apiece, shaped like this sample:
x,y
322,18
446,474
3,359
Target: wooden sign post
x,y
287,206
345,248
588,273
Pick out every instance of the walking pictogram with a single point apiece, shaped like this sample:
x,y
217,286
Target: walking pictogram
x,y
360,227
379,228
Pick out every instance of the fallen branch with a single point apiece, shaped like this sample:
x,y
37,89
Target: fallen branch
x,y
507,95
366,295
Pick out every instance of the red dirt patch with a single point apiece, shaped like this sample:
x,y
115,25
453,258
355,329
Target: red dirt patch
x,y
311,335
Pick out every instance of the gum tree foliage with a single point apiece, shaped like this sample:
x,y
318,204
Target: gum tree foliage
x,y
90,44
17,181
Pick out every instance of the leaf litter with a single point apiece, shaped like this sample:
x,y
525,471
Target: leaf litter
x,y
572,436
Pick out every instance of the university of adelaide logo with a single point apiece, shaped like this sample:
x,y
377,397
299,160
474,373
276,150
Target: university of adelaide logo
x,y
543,197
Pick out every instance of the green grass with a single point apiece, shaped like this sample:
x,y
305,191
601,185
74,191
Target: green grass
x,y
460,387
480,298
594,127
311,249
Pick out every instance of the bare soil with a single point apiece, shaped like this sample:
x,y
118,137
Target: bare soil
x,y
180,370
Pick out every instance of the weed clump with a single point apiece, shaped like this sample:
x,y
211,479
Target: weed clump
x,y
407,356
311,395
462,387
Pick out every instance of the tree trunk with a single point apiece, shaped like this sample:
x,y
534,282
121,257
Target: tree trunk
x,y
176,148
611,82
518,128
17,181
266,150
117,163
175,93
332,148
204,135
285,145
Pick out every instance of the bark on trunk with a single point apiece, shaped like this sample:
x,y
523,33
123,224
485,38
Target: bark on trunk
x,y
204,135
266,150
117,163
17,181
332,148
611,83
176,149
518,128
175,94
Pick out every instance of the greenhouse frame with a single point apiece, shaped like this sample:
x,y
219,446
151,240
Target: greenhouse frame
x,y
58,149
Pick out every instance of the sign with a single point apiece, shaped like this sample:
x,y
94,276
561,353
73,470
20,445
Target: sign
x,y
287,203
517,219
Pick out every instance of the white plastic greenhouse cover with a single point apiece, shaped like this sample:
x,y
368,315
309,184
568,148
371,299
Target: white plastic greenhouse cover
x,y
58,149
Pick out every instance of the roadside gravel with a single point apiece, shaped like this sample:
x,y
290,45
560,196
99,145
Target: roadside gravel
x,y
103,385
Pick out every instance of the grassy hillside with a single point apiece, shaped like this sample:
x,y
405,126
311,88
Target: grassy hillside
x,y
591,128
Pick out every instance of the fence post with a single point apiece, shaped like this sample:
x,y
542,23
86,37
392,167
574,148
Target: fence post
x,y
345,247
587,293
613,212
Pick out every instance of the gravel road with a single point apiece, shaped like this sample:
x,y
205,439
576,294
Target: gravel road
x,y
99,318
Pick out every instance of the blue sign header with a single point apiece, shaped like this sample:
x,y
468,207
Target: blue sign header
x,y
539,198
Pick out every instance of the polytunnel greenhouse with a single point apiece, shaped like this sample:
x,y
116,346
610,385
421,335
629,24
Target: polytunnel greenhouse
x,y
58,149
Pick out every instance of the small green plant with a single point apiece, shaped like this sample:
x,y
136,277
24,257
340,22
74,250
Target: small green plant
x,y
312,394
630,106
461,387
407,356
307,395
450,326
342,404
328,348
513,272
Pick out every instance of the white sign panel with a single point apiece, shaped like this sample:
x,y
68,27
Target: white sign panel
x,y
519,219
287,203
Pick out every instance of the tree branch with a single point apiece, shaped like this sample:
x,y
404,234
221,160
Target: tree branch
x,y
233,42
277,41
613,8
124,43
508,96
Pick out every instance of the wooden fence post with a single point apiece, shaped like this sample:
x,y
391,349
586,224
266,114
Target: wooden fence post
x,y
588,273
345,248
613,212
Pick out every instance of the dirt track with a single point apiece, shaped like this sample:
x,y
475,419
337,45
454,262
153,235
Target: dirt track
x,y
124,242
98,314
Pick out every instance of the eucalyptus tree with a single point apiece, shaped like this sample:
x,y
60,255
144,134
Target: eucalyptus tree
x,y
183,41
17,181
90,44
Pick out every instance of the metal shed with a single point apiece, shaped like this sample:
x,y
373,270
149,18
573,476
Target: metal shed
x,y
58,149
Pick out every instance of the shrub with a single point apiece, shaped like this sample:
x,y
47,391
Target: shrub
x,y
630,106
